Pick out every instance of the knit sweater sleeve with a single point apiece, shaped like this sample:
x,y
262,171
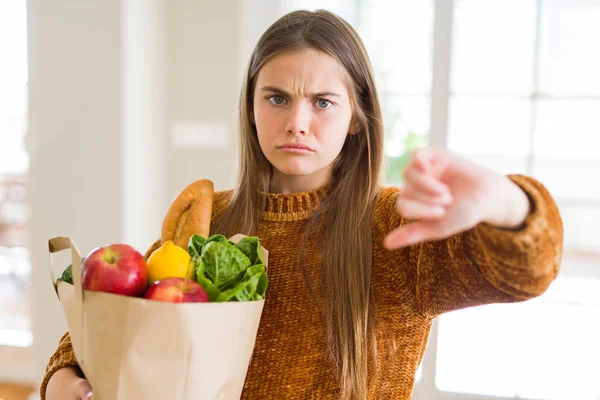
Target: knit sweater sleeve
x,y
485,264
64,356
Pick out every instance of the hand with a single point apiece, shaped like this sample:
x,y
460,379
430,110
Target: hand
x,y
448,195
66,384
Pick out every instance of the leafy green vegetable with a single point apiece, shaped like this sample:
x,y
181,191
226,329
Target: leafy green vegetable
x,y
195,245
250,246
217,238
263,283
197,242
224,263
245,289
211,289
67,275
229,271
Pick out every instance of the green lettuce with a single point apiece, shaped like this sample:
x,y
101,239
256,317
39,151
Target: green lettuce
x,y
246,288
195,245
251,248
224,263
197,242
228,271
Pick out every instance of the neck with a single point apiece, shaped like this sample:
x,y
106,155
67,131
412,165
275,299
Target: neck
x,y
285,184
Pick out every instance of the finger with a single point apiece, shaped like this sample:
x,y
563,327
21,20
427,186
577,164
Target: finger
x,y
424,182
84,390
416,195
422,159
408,235
430,160
416,209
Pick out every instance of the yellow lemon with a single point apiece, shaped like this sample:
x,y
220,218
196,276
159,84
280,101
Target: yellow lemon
x,y
169,261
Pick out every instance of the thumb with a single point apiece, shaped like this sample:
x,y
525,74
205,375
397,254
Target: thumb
x,y
83,390
431,160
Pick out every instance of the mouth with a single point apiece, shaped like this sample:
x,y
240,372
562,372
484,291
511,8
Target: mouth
x,y
297,148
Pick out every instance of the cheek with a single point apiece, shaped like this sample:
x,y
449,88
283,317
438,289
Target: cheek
x,y
334,134
267,123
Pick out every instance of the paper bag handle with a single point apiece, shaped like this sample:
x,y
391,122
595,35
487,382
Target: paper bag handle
x,y
62,243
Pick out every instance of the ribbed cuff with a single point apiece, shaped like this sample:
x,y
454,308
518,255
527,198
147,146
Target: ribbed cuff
x,y
50,372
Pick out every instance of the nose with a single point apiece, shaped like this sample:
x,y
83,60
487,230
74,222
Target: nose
x,y
299,119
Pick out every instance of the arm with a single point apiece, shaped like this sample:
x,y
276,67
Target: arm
x,y
485,246
487,264
62,360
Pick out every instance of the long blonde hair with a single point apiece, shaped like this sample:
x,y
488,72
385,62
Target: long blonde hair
x,y
346,225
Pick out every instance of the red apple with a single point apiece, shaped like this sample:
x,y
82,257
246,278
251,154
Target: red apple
x,y
177,290
117,268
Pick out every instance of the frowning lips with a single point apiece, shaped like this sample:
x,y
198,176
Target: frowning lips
x,y
298,146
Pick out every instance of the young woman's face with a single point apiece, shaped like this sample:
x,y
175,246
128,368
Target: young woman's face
x,y
302,113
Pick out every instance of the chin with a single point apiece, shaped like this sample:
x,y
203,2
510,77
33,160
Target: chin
x,y
295,170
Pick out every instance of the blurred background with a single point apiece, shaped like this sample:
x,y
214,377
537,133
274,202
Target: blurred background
x,y
108,108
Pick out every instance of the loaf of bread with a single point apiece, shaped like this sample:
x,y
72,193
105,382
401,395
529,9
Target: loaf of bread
x,y
189,213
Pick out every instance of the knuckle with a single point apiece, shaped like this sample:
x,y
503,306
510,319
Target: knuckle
x,y
402,205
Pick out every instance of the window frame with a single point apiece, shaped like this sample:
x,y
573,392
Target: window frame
x,y
438,137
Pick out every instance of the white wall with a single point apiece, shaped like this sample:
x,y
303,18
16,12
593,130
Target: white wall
x,y
204,40
108,83
75,141
210,43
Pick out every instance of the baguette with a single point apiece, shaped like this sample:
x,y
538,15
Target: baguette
x,y
189,213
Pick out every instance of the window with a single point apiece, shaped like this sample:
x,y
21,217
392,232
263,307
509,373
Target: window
x,y
546,348
512,85
403,68
527,100
14,163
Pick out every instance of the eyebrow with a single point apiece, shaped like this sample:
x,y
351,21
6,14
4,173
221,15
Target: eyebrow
x,y
274,89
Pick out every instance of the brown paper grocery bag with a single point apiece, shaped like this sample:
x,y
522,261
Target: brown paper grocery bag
x,y
133,348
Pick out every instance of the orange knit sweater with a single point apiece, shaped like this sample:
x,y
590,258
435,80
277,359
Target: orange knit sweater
x,y
412,286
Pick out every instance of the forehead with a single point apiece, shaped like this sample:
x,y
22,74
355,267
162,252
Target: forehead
x,y
303,71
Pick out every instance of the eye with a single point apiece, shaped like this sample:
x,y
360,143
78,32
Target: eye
x,y
277,100
323,104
